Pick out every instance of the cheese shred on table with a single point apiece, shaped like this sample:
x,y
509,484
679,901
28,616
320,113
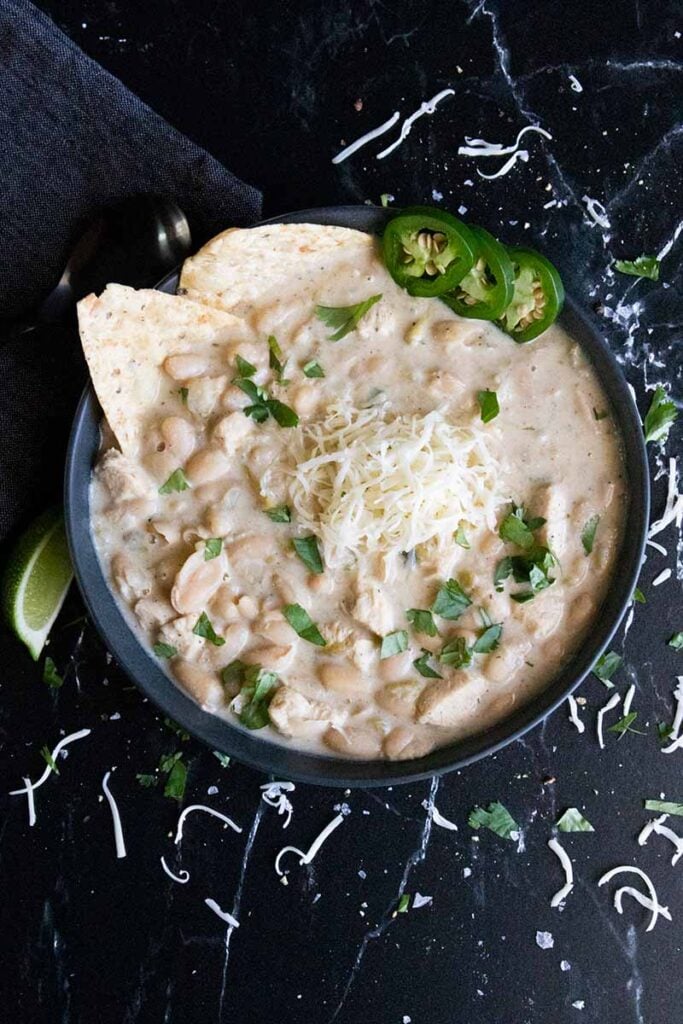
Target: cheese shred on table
x,y
368,482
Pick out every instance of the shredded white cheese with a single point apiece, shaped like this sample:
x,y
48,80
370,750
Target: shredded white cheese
x,y
561,894
438,819
628,699
596,212
652,904
664,575
223,914
364,139
275,795
116,818
482,148
428,107
657,826
658,547
205,810
673,509
574,713
307,857
611,703
182,877
31,787
676,737
575,84
367,482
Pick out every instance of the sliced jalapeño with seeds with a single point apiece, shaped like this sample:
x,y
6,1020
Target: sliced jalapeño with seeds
x,y
538,296
486,290
427,251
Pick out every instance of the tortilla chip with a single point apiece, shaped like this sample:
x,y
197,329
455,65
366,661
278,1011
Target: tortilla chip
x,y
242,267
127,335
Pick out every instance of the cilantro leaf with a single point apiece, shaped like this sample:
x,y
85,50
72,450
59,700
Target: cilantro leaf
x,y
624,724
176,781
163,650
177,729
223,758
275,360
183,392
281,413
212,548
488,640
451,601
495,817
46,754
488,405
344,319
313,369
393,643
422,621
302,623
423,668
279,513
460,537
588,533
50,674
605,667
177,481
147,780
642,266
308,551
244,368
403,904
676,642
517,529
664,807
573,821
660,416
204,629
257,692
639,596
456,653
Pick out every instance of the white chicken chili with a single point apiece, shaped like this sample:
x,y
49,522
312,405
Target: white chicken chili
x,y
368,546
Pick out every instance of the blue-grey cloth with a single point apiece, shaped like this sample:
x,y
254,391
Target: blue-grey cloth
x,y
72,139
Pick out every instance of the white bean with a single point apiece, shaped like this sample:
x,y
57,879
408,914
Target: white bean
x,y
207,466
342,678
273,657
200,684
397,667
185,366
451,702
178,437
399,698
403,744
354,741
197,582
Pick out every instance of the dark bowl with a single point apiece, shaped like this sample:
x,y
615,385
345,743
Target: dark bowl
x,y
287,762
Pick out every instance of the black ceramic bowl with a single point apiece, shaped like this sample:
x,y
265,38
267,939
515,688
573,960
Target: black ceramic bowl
x,y
287,762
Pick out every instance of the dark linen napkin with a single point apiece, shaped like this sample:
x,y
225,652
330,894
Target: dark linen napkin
x,y
72,139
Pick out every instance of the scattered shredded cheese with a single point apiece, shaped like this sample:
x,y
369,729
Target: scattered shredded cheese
x,y
611,703
575,84
561,894
574,713
364,139
664,575
428,107
275,795
307,857
365,482
596,212
676,737
652,904
673,508
657,826
658,547
628,699
182,877
482,148
223,914
438,819
521,154
31,787
116,818
206,810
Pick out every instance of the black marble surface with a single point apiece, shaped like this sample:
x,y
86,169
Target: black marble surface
x,y
274,90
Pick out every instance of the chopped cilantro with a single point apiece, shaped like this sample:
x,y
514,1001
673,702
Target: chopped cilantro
x,y
46,754
605,667
676,642
641,266
308,551
422,621
639,596
451,601
588,533
279,513
423,668
163,650
393,643
176,781
256,694
147,780
403,904
183,392
50,674
517,529
624,724
275,360
245,369
456,653
573,821
177,481
460,537
660,416
212,548
313,369
664,807
488,405
222,758
204,629
344,319
302,623
495,817
488,639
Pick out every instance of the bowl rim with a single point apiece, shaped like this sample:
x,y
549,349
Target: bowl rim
x,y
319,769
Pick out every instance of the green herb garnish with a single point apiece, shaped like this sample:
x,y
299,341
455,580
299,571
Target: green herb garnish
x,y
245,368
664,731
204,629
263,406
385,199
276,360
177,780
279,513
147,780
588,533
451,601
660,416
313,369
163,650
460,537
344,319
403,904
422,621
488,405
573,821
50,674
676,642
177,481
488,639
302,623
642,266
605,667
600,415
308,551
423,668
517,529
639,596
46,754
177,729
222,758
624,724
393,643
212,548
257,692
495,817
456,653
183,392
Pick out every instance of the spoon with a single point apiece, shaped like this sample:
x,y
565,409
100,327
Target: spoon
x,y
133,242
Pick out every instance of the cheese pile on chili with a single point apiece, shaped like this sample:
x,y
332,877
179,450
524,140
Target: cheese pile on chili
x,y
367,482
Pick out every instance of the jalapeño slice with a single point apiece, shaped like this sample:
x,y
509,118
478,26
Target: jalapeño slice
x,y
427,251
537,298
486,291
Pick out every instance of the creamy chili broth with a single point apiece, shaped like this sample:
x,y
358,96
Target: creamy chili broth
x,y
408,376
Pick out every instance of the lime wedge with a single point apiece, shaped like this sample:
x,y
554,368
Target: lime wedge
x,y
36,579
